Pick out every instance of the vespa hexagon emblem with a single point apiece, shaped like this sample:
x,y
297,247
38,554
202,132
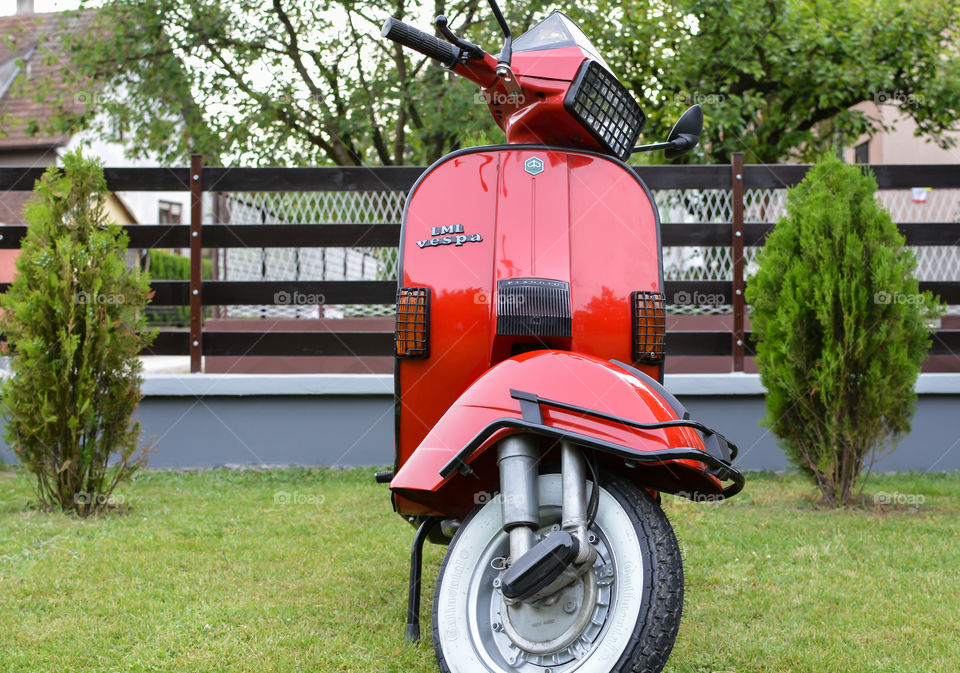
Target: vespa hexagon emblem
x,y
533,165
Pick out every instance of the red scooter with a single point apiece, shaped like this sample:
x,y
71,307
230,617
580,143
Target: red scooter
x,y
533,432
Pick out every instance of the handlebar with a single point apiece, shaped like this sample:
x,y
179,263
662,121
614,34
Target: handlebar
x,y
425,43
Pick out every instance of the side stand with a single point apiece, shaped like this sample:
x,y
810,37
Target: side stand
x,y
416,565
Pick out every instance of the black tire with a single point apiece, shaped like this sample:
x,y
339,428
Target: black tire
x,y
657,620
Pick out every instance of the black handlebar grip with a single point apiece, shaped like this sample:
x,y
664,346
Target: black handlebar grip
x,y
416,39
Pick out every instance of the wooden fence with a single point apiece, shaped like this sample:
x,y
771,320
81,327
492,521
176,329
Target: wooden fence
x,y
198,293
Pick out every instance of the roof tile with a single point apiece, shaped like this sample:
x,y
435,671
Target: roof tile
x,y
36,36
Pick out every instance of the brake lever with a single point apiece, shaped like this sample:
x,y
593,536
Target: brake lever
x,y
469,48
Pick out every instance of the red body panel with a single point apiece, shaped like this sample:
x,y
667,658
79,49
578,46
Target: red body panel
x,y
584,219
572,378
536,116
478,217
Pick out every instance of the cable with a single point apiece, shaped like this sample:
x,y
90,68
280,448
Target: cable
x,y
594,505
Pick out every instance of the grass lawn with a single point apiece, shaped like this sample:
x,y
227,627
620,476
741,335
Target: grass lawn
x,y
210,572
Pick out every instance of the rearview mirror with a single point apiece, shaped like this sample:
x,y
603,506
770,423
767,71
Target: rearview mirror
x,y
685,134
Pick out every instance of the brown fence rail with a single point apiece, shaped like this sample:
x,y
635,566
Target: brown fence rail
x,y
197,293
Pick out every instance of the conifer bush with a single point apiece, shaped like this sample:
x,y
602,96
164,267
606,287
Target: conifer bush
x,y
75,321
841,328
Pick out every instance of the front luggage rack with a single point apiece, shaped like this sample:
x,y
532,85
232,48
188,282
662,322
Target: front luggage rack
x,y
717,455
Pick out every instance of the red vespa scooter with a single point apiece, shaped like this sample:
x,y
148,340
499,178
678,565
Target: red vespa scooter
x,y
532,430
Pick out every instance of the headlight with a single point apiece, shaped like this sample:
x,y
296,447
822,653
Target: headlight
x,y
605,108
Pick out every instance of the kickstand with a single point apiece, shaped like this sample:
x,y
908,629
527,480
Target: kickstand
x,y
416,563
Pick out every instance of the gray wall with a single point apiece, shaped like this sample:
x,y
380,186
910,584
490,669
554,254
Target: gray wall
x,y
933,445
301,430
343,420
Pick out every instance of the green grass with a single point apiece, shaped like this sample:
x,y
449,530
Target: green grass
x,y
208,572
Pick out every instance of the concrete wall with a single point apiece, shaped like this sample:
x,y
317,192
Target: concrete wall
x,y
933,444
215,419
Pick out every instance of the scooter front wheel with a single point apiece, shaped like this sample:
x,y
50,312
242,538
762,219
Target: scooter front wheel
x,y
621,615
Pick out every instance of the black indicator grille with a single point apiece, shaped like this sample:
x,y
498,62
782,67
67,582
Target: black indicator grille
x,y
605,108
533,307
649,326
413,322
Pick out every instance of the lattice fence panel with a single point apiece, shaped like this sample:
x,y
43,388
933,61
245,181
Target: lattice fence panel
x,y
677,207
311,263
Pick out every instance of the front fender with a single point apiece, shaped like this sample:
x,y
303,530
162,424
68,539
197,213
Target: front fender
x,y
559,395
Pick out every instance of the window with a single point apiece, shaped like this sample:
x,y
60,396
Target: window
x,y
170,213
861,153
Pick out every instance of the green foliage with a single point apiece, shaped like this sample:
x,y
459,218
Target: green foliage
x,y
265,83
299,83
170,266
841,327
165,265
74,315
778,79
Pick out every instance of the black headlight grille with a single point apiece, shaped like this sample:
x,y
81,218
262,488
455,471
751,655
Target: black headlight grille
x,y
605,108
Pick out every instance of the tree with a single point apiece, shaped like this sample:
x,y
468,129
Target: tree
x,y
841,328
293,82
778,78
74,314
266,82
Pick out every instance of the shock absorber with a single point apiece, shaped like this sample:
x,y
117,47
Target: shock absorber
x,y
517,457
540,569
574,519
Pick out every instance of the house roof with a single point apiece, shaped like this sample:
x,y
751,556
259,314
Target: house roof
x,y
35,39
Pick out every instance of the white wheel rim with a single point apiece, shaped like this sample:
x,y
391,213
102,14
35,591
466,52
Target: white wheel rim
x,y
466,604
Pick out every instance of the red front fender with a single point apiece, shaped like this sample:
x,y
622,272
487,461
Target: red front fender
x,y
574,379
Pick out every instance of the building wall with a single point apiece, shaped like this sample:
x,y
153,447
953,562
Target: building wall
x,y
901,146
30,158
12,202
144,206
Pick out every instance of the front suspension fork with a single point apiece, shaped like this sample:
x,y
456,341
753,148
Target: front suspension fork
x,y
574,517
518,458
